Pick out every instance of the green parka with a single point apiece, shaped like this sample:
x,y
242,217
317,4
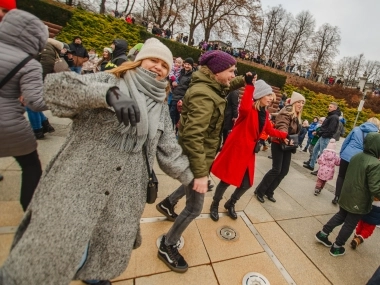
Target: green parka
x,y
202,118
362,181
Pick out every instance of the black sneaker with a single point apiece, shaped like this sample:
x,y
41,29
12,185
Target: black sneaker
x,y
308,167
317,192
315,173
323,239
337,251
335,200
171,257
167,209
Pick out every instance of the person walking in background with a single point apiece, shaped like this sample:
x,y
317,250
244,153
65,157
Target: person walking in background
x,y
352,145
303,132
367,224
310,131
119,52
22,36
361,185
84,219
314,140
79,54
179,88
327,162
287,120
90,65
326,132
199,135
102,64
235,164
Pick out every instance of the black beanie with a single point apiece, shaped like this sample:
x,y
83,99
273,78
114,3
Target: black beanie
x,y
190,61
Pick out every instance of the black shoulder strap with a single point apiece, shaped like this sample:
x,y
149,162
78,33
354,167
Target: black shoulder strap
x,y
14,71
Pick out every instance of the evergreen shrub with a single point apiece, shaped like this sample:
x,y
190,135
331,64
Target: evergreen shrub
x,y
47,10
317,104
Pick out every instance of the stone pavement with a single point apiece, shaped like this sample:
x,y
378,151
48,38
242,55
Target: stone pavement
x,y
273,239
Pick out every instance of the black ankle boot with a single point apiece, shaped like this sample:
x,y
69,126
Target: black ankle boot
x,y
47,128
230,207
39,134
335,200
214,211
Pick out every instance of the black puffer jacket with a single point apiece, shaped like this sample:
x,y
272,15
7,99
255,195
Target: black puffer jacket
x,y
183,84
330,125
120,53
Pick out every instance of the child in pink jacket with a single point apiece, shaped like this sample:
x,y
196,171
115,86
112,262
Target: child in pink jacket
x,y
327,162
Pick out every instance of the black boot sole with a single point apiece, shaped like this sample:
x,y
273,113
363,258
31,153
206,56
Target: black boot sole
x,y
175,269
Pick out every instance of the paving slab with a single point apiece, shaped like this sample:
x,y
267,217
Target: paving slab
x,y
10,186
5,162
5,246
11,213
195,275
296,263
355,267
256,212
219,249
193,251
231,272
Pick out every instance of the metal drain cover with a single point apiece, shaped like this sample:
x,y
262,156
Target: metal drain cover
x,y
254,278
180,243
227,233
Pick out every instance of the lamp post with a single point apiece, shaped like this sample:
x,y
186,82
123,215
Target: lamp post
x,y
117,2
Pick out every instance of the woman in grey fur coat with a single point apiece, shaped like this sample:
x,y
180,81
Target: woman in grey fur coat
x,y
92,194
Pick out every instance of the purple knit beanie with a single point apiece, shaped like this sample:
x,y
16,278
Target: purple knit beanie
x,y
217,60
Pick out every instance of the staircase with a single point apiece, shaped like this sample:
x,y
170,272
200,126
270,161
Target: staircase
x,y
53,29
274,107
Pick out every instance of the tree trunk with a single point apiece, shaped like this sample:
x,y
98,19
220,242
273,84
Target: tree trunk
x,y
102,7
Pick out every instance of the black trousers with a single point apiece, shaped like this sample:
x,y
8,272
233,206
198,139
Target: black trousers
x,y
239,191
349,221
341,175
31,173
280,168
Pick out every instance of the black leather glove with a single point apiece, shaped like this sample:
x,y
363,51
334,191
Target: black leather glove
x,y
248,79
126,109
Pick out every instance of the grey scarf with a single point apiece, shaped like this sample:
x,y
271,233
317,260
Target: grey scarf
x,y
149,94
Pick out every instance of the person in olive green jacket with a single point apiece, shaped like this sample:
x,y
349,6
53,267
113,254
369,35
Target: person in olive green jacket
x,y
361,184
200,132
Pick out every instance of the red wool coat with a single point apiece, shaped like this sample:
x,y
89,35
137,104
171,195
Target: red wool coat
x,y
238,152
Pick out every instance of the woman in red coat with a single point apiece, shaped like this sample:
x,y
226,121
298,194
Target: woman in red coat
x,y
235,165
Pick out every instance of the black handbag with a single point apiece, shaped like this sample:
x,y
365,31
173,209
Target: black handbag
x,y
286,147
152,189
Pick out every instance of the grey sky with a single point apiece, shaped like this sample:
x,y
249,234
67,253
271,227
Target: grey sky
x,y
358,22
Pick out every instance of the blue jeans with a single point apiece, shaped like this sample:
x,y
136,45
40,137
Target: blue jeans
x,y
77,69
318,148
375,279
308,142
35,118
193,208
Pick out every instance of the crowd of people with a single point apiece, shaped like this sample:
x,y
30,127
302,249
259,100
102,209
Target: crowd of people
x,y
95,188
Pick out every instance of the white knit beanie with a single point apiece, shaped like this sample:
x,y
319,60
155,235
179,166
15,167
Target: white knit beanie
x,y
296,97
153,48
261,89
331,145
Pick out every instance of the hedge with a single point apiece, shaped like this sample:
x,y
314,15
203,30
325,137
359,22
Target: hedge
x,y
317,104
271,78
47,10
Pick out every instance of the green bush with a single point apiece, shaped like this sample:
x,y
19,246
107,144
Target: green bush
x,y
98,31
48,11
178,49
271,78
316,105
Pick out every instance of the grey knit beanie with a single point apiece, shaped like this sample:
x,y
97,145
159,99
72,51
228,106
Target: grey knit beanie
x,y
153,48
261,89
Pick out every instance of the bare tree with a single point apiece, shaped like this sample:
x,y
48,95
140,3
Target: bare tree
x,y
324,47
129,6
223,13
304,25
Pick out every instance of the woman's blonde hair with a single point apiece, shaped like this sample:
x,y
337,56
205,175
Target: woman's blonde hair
x,y
256,104
124,67
374,121
294,113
